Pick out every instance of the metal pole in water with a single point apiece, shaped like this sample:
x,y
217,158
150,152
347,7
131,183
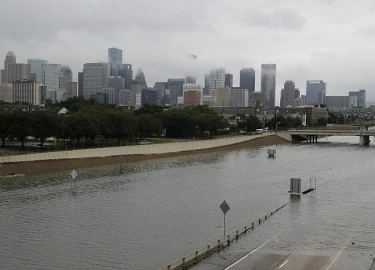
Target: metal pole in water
x,y
122,161
224,224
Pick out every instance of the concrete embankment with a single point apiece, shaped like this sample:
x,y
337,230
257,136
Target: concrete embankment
x,y
67,160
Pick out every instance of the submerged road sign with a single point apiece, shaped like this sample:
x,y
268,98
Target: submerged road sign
x,y
224,207
74,174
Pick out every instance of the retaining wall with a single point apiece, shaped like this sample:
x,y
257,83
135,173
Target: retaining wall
x,y
131,150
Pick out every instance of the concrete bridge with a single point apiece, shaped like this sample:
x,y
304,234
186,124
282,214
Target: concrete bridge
x,y
312,135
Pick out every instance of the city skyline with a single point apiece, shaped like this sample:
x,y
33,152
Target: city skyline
x,y
57,76
248,38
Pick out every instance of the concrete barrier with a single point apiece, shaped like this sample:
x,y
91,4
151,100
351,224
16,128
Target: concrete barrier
x,y
131,150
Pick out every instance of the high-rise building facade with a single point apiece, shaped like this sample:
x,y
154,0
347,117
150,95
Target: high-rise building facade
x,y
126,72
176,88
222,97
315,92
217,80
268,84
111,95
136,94
228,80
6,92
57,95
288,94
239,98
191,79
66,72
80,84
63,82
337,102
125,97
361,97
95,78
10,58
192,98
257,99
206,89
17,72
149,96
114,61
36,69
26,91
72,88
247,79
140,78
51,75
116,83
192,94
161,88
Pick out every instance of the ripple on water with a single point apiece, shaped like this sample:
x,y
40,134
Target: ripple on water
x,y
161,210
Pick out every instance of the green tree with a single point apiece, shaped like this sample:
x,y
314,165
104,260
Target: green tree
x,y
43,125
20,127
322,121
131,124
148,126
5,122
253,123
149,109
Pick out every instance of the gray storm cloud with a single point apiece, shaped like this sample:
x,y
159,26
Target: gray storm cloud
x,y
307,39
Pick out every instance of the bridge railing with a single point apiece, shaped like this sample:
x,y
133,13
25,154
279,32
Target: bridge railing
x,y
200,254
333,132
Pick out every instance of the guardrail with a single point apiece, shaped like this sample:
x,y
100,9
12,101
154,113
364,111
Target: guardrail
x,y
197,256
333,132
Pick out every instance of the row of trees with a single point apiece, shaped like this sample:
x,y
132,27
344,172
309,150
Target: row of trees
x,y
88,121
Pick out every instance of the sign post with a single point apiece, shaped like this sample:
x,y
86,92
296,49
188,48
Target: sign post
x,y
73,174
225,208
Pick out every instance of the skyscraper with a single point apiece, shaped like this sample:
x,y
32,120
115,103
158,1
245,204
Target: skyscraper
x,y
95,78
51,75
114,60
10,58
80,84
26,91
6,92
36,69
161,88
175,87
288,94
206,89
217,80
72,89
191,79
125,97
18,72
239,98
268,84
66,72
247,79
223,97
126,72
149,96
140,78
315,92
361,97
228,80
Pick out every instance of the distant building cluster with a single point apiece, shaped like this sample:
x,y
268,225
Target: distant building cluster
x,y
115,83
36,81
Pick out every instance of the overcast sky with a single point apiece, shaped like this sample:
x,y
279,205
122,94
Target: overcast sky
x,y
330,40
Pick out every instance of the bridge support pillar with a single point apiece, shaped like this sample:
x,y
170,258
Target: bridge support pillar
x,y
364,140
